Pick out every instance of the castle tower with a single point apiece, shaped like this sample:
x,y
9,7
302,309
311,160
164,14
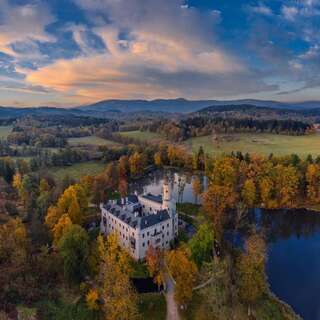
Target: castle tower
x,y
168,202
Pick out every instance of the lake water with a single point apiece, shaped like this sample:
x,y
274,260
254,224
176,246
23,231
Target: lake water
x,y
293,237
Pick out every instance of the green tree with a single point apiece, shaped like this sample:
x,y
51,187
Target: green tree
x,y
74,249
201,245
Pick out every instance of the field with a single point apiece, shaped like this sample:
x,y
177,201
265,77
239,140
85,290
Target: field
x,y
4,131
142,135
91,140
78,170
258,143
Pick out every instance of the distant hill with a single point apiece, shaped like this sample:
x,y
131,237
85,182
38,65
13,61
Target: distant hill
x,y
161,107
185,106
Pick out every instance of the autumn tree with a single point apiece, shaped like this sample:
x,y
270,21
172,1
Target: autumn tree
x,y
196,187
61,227
248,193
184,272
124,167
116,292
252,283
123,187
158,159
137,164
313,183
216,200
155,264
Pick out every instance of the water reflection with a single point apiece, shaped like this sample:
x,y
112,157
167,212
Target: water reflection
x,y
293,238
181,184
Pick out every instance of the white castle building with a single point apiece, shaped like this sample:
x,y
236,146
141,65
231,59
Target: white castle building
x,y
141,221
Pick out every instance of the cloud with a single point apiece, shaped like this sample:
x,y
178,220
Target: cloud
x,y
23,24
152,49
289,13
262,9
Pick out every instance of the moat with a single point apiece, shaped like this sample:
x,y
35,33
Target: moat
x,y
293,238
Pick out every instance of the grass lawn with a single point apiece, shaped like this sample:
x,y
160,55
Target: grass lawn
x,y
78,170
264,143
142,135
152,306
91,140
4,131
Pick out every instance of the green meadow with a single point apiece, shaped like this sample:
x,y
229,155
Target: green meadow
x,y
263,143
142,135
91,140
5,131
78,170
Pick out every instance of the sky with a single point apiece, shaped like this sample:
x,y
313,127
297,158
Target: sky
x,y
73,52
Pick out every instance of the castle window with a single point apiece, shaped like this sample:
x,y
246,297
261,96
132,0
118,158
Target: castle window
x,y
167,233
143,235
148,233
162,227
143,244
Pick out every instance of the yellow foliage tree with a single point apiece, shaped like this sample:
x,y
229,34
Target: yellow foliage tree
x,y
117,294
60,228
92,298
184,272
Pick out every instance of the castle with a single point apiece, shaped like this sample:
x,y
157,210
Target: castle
x,y
141,221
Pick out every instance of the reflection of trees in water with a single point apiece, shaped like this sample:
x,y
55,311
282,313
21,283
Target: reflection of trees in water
x,y
181,186
273,224
282,224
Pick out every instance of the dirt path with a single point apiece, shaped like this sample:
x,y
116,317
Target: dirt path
x,y
172,309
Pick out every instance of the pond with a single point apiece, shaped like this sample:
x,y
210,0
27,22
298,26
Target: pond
x,y
293,237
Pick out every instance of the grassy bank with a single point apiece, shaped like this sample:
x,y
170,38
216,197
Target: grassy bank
x,y
263,143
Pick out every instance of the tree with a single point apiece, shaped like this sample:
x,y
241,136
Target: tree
x,y
201,245
313,182
14,245
136,164
74,249
154,261
184,271
196,187
60,228
52,217
118,296
123,187
92,299
252,282
215,202
124,167
158,159
248,193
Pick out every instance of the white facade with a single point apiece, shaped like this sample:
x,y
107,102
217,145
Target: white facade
x,y
141,221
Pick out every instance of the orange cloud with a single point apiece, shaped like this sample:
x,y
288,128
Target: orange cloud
x,y
121,72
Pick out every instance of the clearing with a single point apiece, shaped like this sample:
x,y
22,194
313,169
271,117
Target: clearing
x,y
91,140
78,170
5,131
263,143
142,135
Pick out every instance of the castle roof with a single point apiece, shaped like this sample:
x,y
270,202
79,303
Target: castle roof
x,y
154,219
152,197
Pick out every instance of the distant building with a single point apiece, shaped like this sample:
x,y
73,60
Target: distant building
x,y
141,221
